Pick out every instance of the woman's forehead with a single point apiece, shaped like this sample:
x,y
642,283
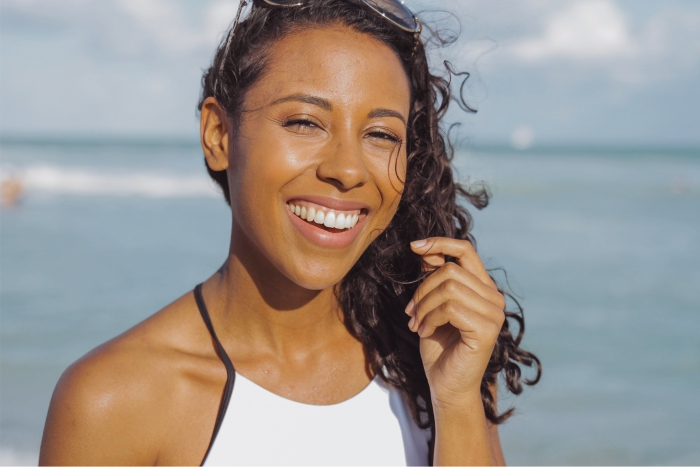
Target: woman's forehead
x,y
337,62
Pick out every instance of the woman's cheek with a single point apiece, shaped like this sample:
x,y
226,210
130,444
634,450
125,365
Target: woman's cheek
x,y
390,179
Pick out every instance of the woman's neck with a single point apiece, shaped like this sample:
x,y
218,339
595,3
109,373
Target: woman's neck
x,y
290,340
256,306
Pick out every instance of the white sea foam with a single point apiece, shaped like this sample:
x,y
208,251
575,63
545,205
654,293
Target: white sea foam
x,y
53,179
10,456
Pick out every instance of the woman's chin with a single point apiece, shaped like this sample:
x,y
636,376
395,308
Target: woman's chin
x,y
317,278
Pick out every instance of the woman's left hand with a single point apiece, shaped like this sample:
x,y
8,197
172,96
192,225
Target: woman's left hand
x,y
458,312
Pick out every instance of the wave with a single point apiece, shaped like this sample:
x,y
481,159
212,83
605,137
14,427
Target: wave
x,y
89,182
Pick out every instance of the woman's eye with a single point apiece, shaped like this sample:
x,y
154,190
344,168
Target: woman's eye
x,y
384,136
300,123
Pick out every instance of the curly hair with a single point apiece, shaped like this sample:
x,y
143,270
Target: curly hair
x,y
374,293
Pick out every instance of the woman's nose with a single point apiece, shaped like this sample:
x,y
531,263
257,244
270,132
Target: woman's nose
x,y
343,166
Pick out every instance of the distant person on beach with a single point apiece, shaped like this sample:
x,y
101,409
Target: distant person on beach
x,y
352,321
11,190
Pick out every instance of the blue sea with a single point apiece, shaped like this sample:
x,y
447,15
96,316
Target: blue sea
x,y
602,247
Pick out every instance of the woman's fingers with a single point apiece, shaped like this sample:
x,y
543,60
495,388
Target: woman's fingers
x,y
460,249
461,294
432,262
457,294
459,274
474,327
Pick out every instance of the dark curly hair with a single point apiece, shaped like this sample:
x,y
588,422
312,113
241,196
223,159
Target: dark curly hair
x,y
374,293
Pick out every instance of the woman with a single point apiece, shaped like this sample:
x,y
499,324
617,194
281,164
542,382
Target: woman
x,y
352,322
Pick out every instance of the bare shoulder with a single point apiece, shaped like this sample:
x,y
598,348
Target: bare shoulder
x,y
120,403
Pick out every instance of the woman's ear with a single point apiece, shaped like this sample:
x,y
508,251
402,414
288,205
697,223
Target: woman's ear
x,y
213,129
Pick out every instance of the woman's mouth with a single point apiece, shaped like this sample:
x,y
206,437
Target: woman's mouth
x,y
329,227
337,220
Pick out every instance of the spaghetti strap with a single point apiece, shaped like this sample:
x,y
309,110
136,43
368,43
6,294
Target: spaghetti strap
x,y
230,371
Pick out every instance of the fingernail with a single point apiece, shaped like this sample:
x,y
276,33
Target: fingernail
x,y
411,322
420,329
419,243
409,308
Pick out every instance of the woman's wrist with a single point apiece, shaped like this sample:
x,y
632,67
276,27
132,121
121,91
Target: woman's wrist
x,y
465,404
461,432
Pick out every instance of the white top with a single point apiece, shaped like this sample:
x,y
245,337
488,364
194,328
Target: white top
x,y
372,428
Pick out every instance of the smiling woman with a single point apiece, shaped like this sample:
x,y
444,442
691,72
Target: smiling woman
x,y
352,321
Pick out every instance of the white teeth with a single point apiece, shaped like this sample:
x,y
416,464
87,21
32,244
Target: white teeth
x,y
311,215
330,220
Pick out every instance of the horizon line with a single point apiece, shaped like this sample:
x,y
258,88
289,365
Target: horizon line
x,y
165,140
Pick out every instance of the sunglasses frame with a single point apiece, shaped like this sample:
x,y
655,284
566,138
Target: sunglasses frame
x,y
417,25
416,31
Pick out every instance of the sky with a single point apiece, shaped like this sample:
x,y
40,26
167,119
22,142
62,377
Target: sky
x,y
592,72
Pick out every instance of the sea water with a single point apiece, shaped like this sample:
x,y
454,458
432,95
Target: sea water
x,y
602,247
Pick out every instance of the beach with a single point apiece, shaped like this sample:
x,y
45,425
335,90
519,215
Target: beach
x,y
601,247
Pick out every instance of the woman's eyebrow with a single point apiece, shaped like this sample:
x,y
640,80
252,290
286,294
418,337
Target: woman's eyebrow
x,y
379,113
325,104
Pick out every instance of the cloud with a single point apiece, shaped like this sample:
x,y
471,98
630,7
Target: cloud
x,y
106,66
671,40
164,23
126,28
587,29
593,35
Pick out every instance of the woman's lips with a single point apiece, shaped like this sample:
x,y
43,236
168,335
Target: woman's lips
x,y
328,228
317,214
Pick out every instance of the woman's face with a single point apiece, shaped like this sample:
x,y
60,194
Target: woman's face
x,y
317,165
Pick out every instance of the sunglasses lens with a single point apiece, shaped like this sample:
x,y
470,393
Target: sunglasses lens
x,y
394,11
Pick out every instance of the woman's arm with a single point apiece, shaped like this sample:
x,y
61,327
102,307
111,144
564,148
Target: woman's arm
x,y
462,436
493,431
496,444
467,437
458,313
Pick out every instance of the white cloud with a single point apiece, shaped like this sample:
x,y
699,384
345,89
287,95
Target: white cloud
x,y
129,28
218,17
593,35
671,39
164,22
587,29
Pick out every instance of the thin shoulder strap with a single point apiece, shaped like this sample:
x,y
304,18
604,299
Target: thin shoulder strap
x,y
230,372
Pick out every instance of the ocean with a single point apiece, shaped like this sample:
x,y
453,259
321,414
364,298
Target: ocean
x,y
602,247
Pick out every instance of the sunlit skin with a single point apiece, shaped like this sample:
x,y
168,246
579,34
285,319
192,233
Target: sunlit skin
x,y
326,123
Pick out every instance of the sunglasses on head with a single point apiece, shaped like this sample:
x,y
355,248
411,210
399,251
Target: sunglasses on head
x,y
394,11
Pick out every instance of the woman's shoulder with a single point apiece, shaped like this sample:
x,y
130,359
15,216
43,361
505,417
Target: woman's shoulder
x,y
121,402
136,364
